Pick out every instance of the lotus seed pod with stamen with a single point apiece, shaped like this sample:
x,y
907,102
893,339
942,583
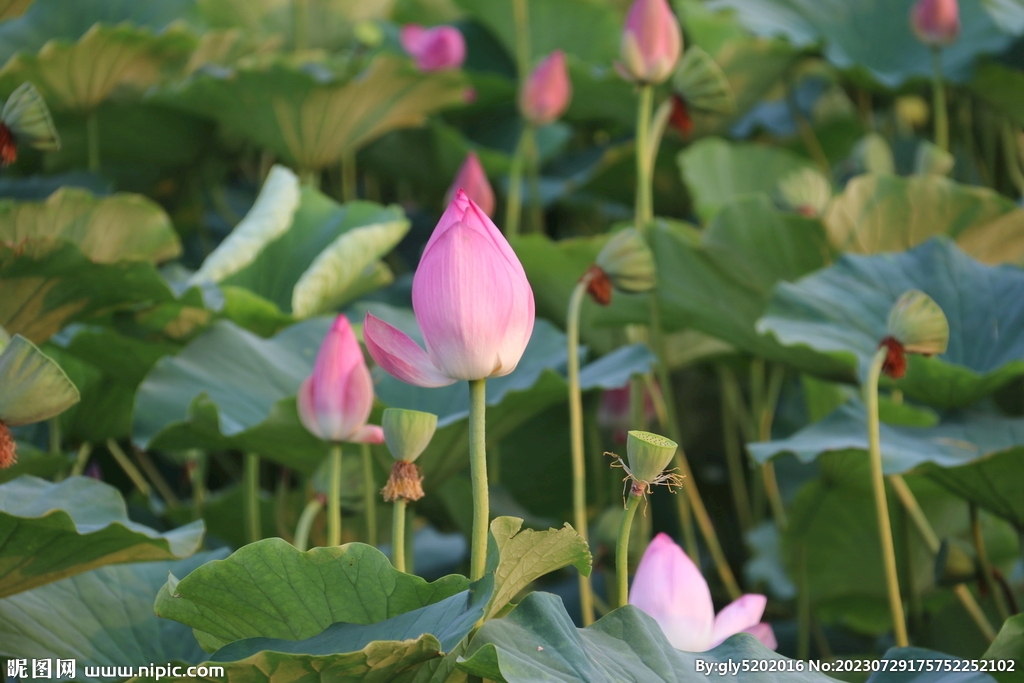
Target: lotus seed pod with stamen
x,y
919,324
628,262
407,432
648,454
405,483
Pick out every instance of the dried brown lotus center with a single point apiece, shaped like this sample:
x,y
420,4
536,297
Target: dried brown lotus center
x,y
405,483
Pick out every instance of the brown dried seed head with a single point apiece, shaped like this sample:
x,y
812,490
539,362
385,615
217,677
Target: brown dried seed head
x,y
895,365
600,286
8,456
405,482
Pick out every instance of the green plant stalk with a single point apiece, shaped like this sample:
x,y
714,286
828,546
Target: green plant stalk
x,y
305,524
398,535
733,450
410,539
931,540
1012,154
369,496
82,459
197,479
129,467
881,504
533,172
521,21
161,485
349,177
251,479
622,547
281,489
764,400
300,15
478,474
986,566
514,203
92,136
803,606
579,473
334,497
644,160
939,101
54,438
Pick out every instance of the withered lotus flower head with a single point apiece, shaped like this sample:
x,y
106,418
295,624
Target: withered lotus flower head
x,y
625,263
916,325
405,483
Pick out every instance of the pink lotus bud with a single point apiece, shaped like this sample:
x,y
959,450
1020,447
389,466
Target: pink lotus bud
x,y
335,401
546,93
936,23
651,43
669,587
473,180
434,49
472,301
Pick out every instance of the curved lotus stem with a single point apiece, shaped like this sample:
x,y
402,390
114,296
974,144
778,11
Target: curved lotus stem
x,y
939,101
306,520
622,547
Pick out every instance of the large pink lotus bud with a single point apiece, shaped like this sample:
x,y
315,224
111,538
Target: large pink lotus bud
x,y
473,180
334,402
434,49
472,301
936,22
669,587
651,42
546,93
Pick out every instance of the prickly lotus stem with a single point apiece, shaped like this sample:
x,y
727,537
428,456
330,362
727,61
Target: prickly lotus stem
x,y
405,482
8,456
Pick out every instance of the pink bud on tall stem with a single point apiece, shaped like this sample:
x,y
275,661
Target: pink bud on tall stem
x,y
651,43
546,94
434,49
936,23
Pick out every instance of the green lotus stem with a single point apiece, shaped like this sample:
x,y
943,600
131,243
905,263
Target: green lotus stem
x,y
521,19
334,497
305,524
657,131
939,101
410,539
478,474
579,473
349,177
92,136
129,467
369,495
803,606
765,401
881,504
1012,154
931,540
622,547
729,387
644,159
161,485
986,566
300,15
54,440
533,167
82,459
514,204
251,482
197,479
398,535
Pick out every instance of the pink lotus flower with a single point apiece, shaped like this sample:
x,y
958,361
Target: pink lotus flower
x,y
547,91
434,49
335,401
651,43
936,22
472,301
670,588
473,180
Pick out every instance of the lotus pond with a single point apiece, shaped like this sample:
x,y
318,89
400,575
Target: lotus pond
x,y
441,341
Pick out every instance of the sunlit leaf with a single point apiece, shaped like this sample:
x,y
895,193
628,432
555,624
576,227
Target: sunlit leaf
x,y
32,385
27,116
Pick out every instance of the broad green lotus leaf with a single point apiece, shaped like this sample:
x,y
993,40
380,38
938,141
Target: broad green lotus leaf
x,y
538,642
32,386
335,274
87,629
268,589
1001,87
877,213
90,529
309,115
270,216
992,482
1008,646
79,75
875,37
27,116
842,312
718,171
518,557
120,227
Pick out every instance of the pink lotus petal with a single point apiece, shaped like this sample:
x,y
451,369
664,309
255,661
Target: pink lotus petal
x,y
472,179
368,434
742,613
399,355
765,634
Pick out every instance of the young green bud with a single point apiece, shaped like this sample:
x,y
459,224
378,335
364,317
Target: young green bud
x,y
648,455
407,432
628,262
918,323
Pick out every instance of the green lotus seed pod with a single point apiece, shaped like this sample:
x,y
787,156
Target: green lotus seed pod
x,y
407,432
806,191
918,323
628,262
648,454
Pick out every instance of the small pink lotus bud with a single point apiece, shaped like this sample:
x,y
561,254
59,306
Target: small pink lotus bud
x,y
546,93
651,43
936,23
434,49
473,180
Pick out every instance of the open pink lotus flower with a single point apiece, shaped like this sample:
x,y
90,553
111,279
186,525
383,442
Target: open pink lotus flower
x,y
473,180
472,301
434,49
651,43
936,23
335,401
546,93
670,588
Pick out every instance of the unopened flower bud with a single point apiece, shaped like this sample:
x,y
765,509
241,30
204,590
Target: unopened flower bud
x,y
651,42
936,23
8,456
648,454
806,191
628,262
408,432
405,483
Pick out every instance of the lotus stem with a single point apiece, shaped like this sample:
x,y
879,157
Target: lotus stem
x,y
644,159
931,540
579,474
82,459
197,479
161,485
306,520
987,574
92,136
521,19
622,547
1012,154
881,504
478,474
939,101
398,535
349,177
129,467
334,497
514,206
369,496
729,387
766,399
803,606
54,440
251,480
281,488
533,167
300,15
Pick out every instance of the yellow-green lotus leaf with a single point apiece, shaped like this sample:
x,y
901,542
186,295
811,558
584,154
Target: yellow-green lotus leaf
x,y
32,386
